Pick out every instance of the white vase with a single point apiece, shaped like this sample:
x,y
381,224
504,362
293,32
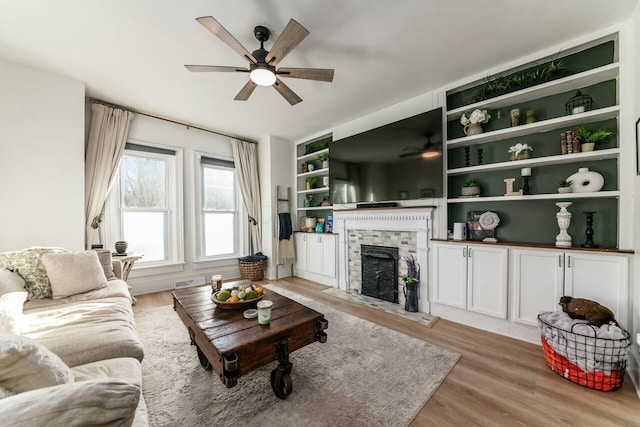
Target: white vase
x,y
563,239
472,129
587,146
325,164
586,181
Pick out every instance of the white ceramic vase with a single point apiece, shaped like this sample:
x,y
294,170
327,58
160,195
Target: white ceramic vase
x,y
563,240
586,181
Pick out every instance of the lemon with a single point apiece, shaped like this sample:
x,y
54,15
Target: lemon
x,y
233,299
259,290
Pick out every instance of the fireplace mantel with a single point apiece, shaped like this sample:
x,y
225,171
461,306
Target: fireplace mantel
x,y
414,219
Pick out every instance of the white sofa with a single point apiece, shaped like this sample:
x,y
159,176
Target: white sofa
x,y
85,342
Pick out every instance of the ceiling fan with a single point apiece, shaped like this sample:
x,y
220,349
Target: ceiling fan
x,y
262,63
427,151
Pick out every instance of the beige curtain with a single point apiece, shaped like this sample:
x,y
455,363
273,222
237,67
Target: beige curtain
x,y
246,162
107,137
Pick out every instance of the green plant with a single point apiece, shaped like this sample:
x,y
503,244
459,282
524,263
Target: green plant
x,y
312,181
564,183
323,157
471,183
598,136
521,78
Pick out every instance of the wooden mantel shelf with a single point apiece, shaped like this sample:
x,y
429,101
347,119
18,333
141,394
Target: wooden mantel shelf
x,y
538,246
385,208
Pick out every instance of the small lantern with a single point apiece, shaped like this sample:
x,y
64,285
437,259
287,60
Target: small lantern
x,y
579,104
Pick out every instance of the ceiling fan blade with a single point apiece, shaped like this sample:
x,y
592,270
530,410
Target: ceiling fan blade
x,y
214,68
321,74
286,92
216,28
292,34
246,91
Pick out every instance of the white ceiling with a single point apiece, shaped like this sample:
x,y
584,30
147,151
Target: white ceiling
x,y
132,53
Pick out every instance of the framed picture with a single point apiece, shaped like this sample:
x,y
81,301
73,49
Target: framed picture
x,y
474,229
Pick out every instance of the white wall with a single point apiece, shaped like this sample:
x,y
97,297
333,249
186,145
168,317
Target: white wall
x,y
275,158
41,159
150,130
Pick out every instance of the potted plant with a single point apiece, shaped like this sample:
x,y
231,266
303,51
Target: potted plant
x,y
589,138
564,186
520,151
324,159
411,280
311,182
470,188
472,121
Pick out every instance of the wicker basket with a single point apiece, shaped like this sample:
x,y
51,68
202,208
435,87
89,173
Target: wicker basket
x,y
611,355
251,270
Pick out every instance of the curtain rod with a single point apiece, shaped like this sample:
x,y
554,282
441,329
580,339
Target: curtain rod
x,y
109,104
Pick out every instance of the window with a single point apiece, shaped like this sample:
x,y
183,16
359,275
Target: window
x,y
219,212
144,207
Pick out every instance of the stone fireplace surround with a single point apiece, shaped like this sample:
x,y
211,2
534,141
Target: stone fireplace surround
x,y
408,228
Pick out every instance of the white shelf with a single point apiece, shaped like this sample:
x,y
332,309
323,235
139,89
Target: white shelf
x,y
314,190
313,155
610,153
555,196
314,172
537,127
316,208
574,82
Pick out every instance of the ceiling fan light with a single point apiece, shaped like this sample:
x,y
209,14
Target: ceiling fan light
x,y
262,77
430,154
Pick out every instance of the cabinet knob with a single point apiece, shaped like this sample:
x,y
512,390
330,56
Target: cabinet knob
x,y
559,260
469,252
569,261
464,252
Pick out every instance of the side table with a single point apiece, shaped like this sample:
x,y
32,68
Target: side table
x,y
127,261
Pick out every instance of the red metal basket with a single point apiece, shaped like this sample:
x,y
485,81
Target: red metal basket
x,y
608,378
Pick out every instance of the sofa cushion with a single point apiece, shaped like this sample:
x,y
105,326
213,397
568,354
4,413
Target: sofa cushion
x,y
82,330
101,402
73,273
25,365
104,255
11,318
10,282
28,264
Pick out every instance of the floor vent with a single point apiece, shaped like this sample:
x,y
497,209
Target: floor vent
x,y
192,282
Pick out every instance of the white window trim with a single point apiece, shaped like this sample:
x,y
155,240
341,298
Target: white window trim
x,y
113,215
203,261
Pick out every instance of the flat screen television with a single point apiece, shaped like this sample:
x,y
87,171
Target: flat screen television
x,y
399,161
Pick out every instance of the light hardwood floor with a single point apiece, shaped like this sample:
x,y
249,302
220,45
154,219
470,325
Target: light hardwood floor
x,y
498,381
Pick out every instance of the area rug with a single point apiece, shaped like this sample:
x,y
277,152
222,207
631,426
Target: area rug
x,y
364,375
381,305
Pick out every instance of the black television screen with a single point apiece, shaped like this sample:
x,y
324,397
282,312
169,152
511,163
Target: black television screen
x,y
398,161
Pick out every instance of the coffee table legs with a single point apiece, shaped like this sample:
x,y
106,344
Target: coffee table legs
x,y
281,375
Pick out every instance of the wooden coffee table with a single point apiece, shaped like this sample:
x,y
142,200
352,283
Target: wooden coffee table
x,y
234,346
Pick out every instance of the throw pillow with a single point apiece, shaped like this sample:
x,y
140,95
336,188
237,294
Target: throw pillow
x,y
11,305
25,365
28,264
73,273
10,282
104,255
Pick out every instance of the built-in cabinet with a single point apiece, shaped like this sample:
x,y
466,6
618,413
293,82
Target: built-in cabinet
x,y
471,277
592,69
316,257
309,197
541,277
514,283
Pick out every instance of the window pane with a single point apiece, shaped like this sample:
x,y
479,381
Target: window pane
x,y
146,233
144,182
219,233
218,189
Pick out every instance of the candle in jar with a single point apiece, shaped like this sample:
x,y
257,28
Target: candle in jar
x,y
525,172
264,312
578,110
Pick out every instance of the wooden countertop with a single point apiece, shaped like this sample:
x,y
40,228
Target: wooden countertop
x,y
538,246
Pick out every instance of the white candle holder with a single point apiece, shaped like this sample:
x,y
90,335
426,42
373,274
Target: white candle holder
x,y
563,240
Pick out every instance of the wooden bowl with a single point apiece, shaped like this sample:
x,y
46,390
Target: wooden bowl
x,y
235,305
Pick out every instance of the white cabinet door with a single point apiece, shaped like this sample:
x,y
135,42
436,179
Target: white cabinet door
x,y
329,255
601,278
314,254
450,274
537,277
487,280
300,243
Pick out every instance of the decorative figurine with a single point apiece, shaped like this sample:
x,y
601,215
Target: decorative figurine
x,y
563,240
